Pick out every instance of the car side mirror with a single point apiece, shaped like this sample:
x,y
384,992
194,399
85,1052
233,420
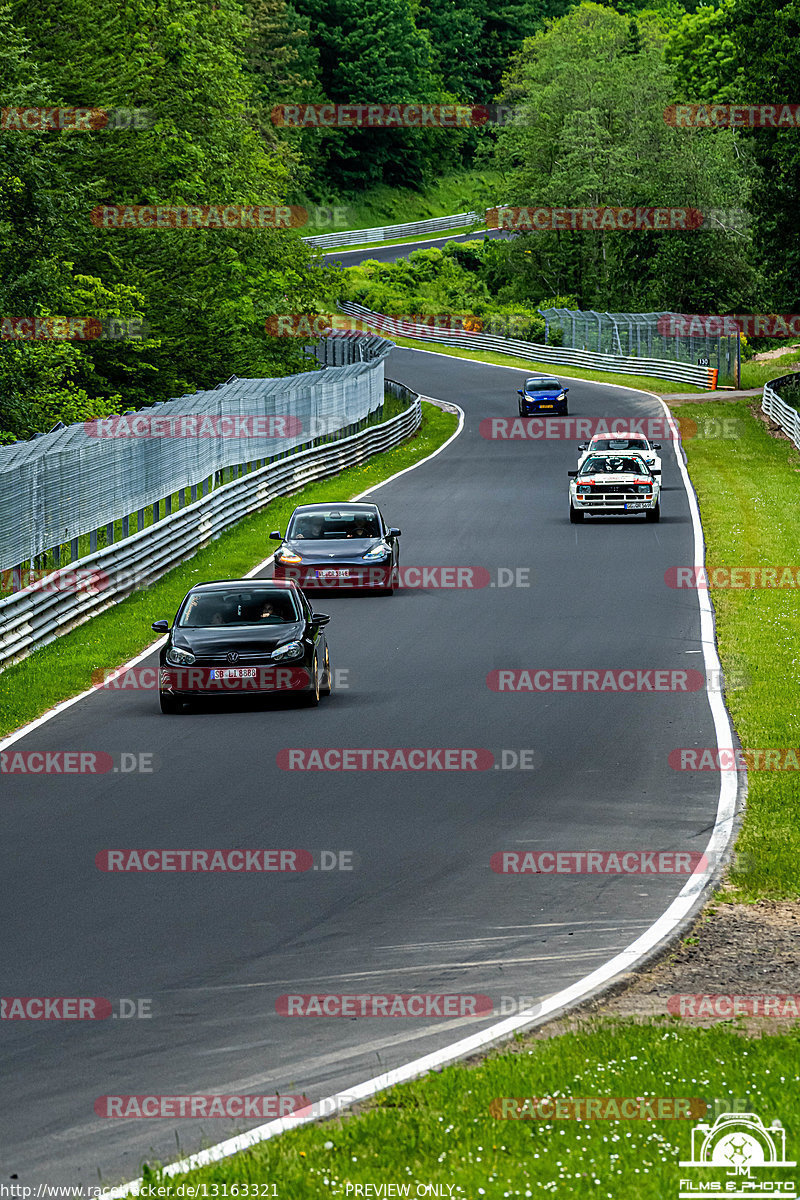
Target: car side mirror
x,y
583,446
160,626
656,445
565,390
520,392
572,474
394,531
319,619
275,536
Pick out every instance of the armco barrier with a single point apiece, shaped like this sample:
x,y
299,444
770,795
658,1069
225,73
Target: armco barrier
x,y
779,411
704,377
35,616
384,233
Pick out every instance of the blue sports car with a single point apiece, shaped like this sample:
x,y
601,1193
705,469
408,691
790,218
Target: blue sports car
x,y
542,394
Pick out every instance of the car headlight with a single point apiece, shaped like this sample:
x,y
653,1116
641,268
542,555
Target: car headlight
x,y
178,657
290,650
287,556
561,396
379,551
584,489
644,487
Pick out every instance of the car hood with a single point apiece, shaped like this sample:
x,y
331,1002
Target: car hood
x,y
622,477
344,550
223,638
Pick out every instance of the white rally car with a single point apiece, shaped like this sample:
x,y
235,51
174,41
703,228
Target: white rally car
x,y
622,442
608,483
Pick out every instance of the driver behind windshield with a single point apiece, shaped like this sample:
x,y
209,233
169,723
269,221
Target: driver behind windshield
x,y
309,528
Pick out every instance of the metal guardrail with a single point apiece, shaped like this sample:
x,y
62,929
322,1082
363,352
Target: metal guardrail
x,y
783,414
704,377
43,611
384,233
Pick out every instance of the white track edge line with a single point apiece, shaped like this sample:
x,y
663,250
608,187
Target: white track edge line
x,y
662,928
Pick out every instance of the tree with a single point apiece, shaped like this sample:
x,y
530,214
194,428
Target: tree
x,y
595,136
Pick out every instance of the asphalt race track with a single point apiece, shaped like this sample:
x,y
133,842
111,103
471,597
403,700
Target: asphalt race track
x,y
421,910
387,254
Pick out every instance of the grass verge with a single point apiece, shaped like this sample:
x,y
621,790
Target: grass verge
x,y
756,374
440,1130
465,191
642,382
747,487
71,663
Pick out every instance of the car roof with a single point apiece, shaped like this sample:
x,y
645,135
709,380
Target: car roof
x,y
349,506
224,585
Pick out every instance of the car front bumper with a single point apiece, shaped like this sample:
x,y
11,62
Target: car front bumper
x,y
225,680
357,576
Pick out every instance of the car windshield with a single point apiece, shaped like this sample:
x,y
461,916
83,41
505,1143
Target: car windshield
x,y
634,443
334,525
610,464
538,385
205,610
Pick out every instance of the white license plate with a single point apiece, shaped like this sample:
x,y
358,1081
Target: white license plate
x,y
636,504
333,574
233,673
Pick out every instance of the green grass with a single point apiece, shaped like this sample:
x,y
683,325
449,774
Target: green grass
x,y
748,489
440,1130
71,663
466,191
756,374
643,382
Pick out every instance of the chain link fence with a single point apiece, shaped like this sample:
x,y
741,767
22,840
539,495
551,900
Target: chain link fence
x,y
644,335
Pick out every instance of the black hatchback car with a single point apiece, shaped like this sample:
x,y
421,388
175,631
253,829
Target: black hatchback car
x,y
238,637
339,545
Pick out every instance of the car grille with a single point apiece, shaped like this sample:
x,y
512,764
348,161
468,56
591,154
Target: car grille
x,y
617,493
245,656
